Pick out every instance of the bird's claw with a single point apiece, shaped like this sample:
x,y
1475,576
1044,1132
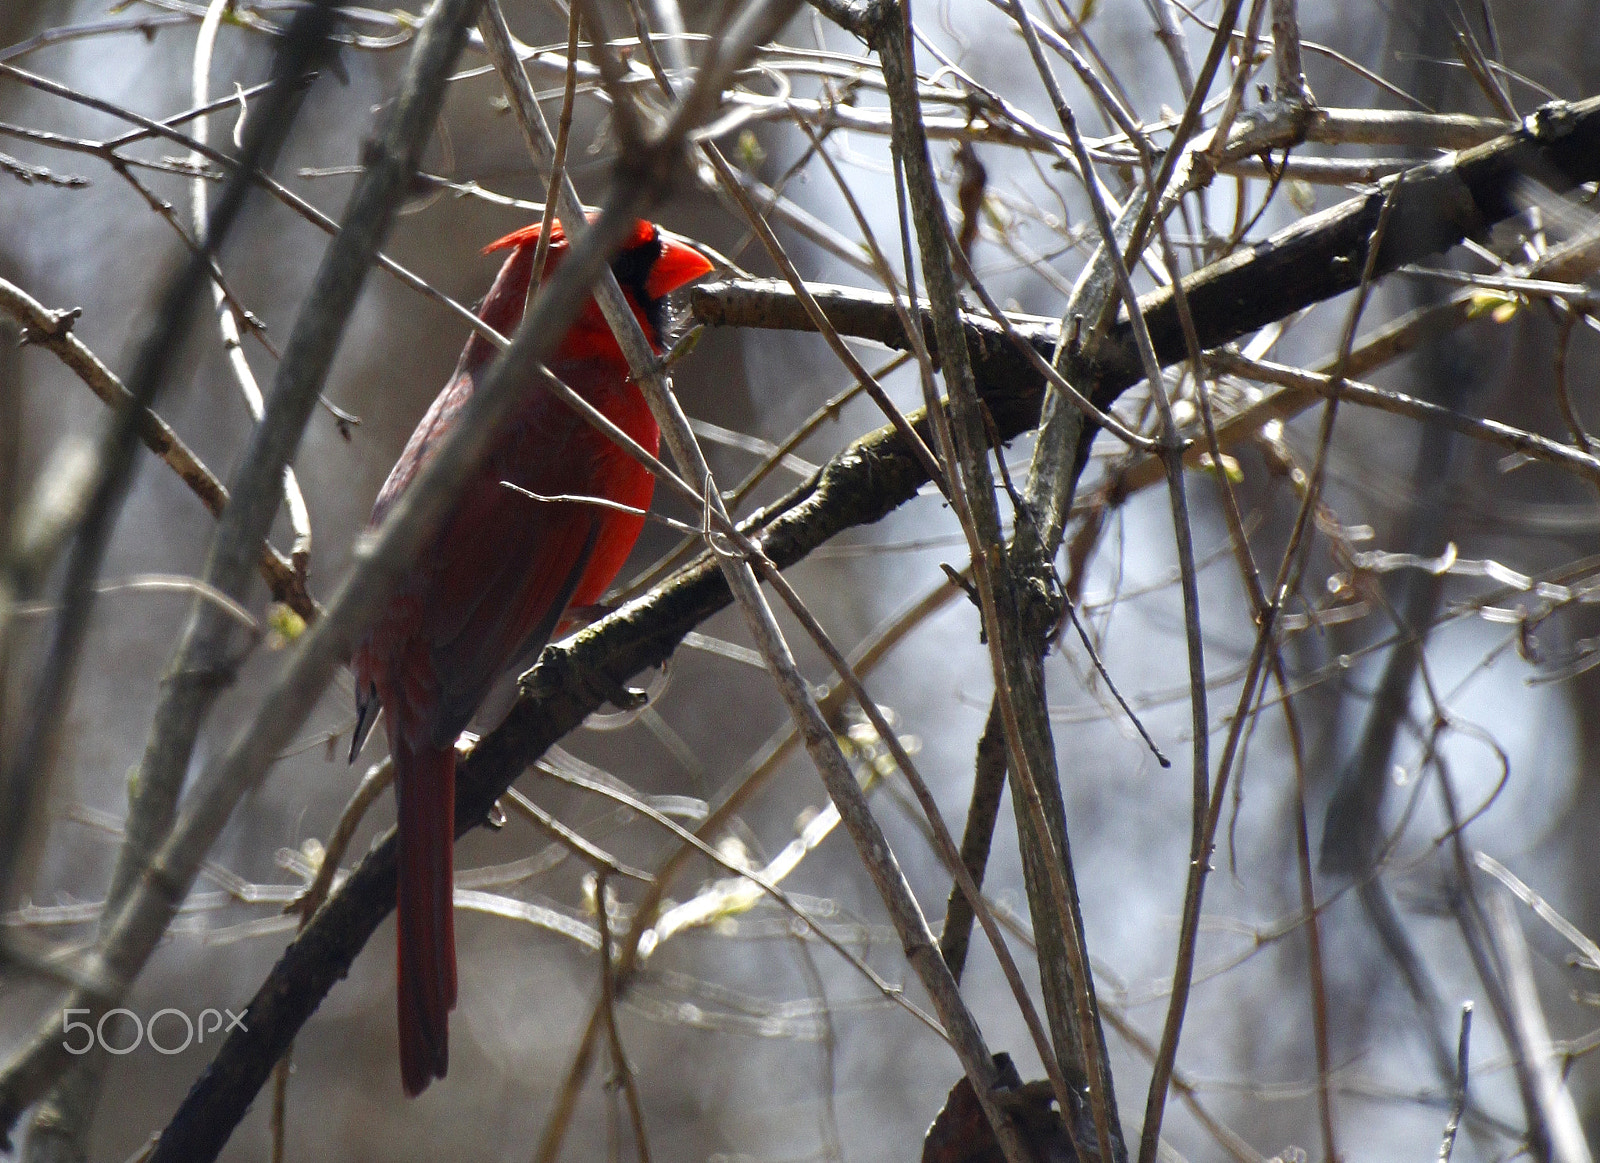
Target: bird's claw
x,y
628,698
602,688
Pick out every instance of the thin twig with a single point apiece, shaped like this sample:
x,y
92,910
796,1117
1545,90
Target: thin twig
x,y
601,861
558,156
621,1072
48,329
767,886
1183,971
373,784
164,129
1251,578
863,377
767,761
1519,440
226,306
1458,1103
1568,1143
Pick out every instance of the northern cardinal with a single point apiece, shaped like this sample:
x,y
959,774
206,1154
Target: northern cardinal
x,y
496,581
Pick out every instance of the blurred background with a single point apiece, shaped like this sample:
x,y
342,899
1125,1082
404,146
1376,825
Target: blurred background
x,y
1421,652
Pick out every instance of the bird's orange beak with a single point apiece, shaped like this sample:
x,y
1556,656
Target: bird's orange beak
x,y
678,266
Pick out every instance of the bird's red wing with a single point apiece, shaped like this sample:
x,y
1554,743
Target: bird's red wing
x,y
514,565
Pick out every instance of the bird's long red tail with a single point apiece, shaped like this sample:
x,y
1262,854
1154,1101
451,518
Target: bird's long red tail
x,y
425,779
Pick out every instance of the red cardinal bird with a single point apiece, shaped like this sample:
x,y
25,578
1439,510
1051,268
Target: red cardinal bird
x,y
496,582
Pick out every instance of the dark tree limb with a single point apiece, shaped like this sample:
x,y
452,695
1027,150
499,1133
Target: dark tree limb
x,y
1317,258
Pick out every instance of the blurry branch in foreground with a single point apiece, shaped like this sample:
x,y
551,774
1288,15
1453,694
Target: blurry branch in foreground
x,y
202,664
28,765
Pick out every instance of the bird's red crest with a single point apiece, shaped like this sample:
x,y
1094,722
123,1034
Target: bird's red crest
x,y
642,233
